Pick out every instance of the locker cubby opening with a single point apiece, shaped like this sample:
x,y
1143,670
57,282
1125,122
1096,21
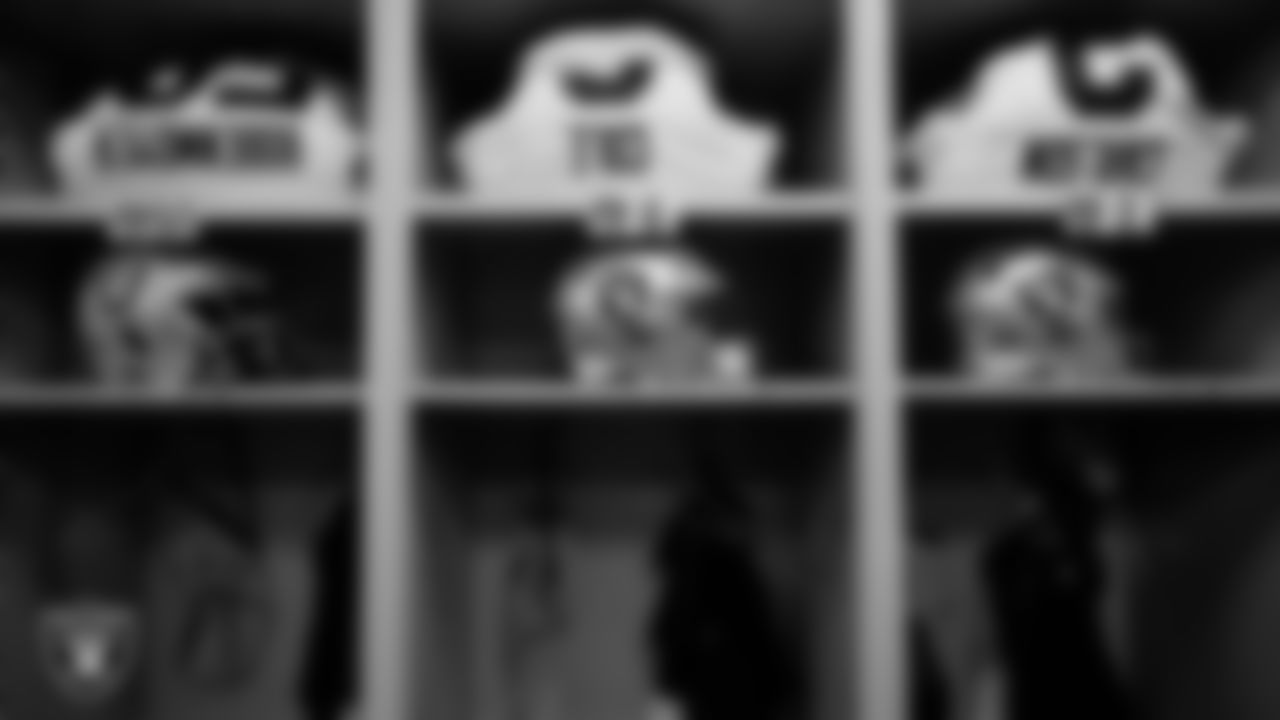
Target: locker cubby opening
x,y
313,275
203,502
616,478
1189,571
487,293
1197,295
470,54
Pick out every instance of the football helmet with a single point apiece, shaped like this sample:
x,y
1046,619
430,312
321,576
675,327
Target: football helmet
x,y
250,132
1039,314
1016,130
227,613
170,319
649,315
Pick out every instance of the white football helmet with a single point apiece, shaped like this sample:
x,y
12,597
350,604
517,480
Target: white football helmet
x,y
651,315
169,320
235,137
1039,314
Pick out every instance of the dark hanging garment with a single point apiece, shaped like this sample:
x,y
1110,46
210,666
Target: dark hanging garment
x,y
715,641
535,619
928,692
329,679
1045,579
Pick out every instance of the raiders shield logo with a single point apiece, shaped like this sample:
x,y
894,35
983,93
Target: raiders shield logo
x,y
89,650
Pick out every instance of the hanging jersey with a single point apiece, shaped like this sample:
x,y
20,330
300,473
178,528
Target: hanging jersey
x,y
649,315
614,107
1257,94
1046,599
330,686
1015,132
535,618
236,137
225,624
716,643
952,615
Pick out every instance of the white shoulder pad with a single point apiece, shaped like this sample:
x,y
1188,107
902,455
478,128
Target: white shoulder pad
x,y
200,147
543,141
982,144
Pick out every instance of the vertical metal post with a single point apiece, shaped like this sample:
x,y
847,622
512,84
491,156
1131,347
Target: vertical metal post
x,y
879,571
390,552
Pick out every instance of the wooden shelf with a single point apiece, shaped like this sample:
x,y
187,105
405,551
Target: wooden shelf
x,y
1240,205
1168,391
782,207
57,211
249,399
515,395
